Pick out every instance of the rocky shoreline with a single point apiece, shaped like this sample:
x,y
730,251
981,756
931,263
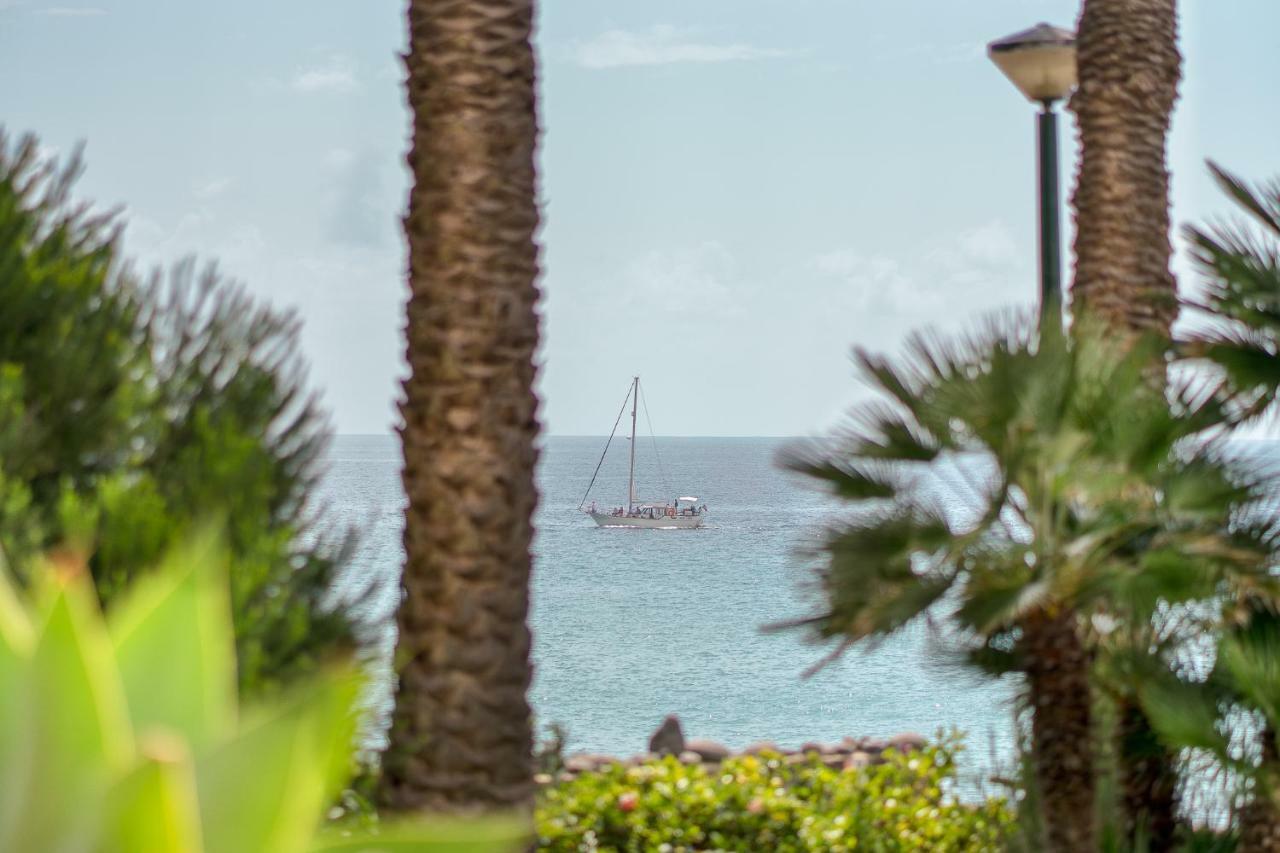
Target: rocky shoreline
x,y
850,753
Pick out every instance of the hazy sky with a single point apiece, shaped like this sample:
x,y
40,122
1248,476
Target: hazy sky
x,y
735,191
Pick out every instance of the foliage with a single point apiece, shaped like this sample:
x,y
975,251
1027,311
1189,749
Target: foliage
x,y
766,802
124,734
1239,301
1087,486
548,752
130,410
1078,484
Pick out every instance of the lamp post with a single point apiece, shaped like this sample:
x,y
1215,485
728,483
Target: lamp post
x,y
1041,62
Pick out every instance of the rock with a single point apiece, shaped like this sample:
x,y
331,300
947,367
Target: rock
x,y
908,742
710,750
690,758
834,760
640,759
581,763
873,745
857,761
566,776
669,738
795,759
812,746
761,746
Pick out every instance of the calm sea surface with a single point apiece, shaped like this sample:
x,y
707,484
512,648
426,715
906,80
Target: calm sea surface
x,y
631,625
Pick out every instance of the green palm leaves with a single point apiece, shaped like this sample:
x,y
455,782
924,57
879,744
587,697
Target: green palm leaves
x,y
1016,474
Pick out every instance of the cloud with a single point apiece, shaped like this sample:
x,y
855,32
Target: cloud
x,y
662,45
210,189
685,282
337,75
980,267
71,11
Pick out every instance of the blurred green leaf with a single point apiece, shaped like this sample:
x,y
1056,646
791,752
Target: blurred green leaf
x,y
173,629
264,788
154,808
491,834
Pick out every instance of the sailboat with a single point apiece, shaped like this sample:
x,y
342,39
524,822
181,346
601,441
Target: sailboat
x,y
682,513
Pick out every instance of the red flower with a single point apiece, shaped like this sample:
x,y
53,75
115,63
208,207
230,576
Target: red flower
x,y
628,801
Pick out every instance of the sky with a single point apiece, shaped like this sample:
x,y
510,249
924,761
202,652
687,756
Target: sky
x,y
734,192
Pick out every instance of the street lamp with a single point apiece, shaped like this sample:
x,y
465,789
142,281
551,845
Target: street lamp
x,y
1041,62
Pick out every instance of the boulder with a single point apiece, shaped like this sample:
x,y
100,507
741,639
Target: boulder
x,y
710,750
689,758
834,760
908,742
812,746
761,746
857,761
640,759
873,745
669,738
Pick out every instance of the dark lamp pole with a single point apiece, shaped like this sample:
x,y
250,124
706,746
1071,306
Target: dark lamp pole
x,y
1041,62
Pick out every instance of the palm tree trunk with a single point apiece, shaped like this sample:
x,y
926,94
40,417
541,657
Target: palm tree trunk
x,y
1062,750
1148,779
461,738
1260,818
1129,68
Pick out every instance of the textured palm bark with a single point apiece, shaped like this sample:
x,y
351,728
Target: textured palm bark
x,y
1149,781
461,738
1260,818
1061,730
1129,69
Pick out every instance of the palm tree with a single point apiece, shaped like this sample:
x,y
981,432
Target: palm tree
x,y
461,736
1129,68
1081,496
1239,335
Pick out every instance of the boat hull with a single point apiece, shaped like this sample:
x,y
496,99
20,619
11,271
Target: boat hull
x,y
678,522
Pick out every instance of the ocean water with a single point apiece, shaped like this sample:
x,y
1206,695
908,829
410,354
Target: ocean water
x,y
632,625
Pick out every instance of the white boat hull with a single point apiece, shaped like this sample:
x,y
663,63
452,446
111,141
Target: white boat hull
x,y
678,522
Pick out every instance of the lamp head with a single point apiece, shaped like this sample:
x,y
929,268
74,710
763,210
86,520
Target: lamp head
x,y
1040,61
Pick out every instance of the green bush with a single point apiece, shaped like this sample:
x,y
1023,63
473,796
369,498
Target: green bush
x,y
132,409
125,735
755,803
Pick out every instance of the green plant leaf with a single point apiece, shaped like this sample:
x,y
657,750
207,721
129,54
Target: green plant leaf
x,y
488,835
173,640
154,808
266,788
71,728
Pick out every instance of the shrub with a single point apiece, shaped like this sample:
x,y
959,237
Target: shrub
x,y
766,802
131,410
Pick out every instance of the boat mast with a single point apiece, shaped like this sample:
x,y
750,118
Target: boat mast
x,y
631,476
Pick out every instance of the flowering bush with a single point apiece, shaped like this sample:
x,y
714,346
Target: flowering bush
x,y
772,802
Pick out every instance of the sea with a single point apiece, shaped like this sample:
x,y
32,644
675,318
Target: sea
x,y
631,625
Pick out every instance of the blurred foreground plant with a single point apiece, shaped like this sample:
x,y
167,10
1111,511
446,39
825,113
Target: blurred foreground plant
x,y
124,734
